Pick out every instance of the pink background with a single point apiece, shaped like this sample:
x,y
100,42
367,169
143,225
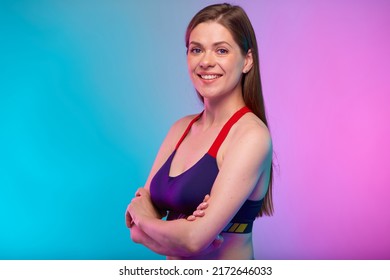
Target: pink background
x,y
325,70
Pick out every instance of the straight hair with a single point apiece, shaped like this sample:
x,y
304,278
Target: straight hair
x,y
237,22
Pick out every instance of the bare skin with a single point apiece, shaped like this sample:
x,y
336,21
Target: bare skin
x,y
215,65
139,236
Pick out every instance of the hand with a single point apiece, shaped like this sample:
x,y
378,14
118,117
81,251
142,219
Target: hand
x,y
128,218
199,212
140,206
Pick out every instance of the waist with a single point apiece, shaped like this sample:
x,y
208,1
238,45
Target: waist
x,y
242,222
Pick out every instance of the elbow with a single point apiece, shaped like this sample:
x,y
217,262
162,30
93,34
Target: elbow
x,y
135,239
195,244
192,250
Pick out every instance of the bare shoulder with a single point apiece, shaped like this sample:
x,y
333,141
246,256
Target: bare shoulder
x,y
175,132
249,145
252,133
178,128
183,122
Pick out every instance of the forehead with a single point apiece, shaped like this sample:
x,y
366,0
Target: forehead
x,y
211,32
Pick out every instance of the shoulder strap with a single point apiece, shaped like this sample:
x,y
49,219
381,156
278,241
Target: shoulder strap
x,y
188,129
225,130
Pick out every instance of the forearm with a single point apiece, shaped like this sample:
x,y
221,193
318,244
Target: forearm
x,y
138,236
177,235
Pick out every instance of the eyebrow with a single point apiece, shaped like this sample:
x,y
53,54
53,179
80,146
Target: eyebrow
x,y
215,44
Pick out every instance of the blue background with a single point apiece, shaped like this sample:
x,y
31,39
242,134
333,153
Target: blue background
x,y
88,90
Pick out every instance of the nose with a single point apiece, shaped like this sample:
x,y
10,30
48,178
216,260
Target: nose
x,y
207,60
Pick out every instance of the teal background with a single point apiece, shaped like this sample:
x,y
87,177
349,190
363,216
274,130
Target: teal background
x,y
88,90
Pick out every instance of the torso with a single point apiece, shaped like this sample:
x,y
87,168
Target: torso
x,y
193,149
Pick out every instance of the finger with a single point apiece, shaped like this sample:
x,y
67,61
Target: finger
x,y
198,213
206,198
202,206
191,218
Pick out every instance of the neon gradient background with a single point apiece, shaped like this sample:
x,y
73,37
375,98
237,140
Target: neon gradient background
x,y
88,90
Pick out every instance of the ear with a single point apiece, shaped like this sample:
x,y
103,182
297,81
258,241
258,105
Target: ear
x,y
248,62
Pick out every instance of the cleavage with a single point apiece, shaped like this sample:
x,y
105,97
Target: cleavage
x,y
191,150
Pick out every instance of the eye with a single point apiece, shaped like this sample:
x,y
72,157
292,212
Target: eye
x,y
195,50
222,51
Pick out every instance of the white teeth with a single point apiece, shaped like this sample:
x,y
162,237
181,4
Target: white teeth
x,y
210,77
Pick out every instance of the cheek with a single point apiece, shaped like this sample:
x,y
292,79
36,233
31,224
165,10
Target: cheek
x,y
240,65
191,63
236,68
190,70
233,69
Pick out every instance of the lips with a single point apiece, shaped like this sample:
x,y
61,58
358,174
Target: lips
x,y
209,77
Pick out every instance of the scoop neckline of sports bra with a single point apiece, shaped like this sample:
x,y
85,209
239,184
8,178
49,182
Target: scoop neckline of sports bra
x,y
185,171
208,152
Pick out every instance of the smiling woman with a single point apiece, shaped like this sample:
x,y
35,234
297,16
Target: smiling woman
x,y
213,173
215,61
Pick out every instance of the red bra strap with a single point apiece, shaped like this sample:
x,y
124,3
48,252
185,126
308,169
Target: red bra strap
x,y
225,130
188,129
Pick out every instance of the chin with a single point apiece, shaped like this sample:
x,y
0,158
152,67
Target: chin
x,y
208,95
211,94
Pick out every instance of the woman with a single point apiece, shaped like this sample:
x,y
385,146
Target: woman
x,y
225,151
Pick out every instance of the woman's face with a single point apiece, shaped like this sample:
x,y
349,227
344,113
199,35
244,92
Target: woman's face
x,y
215,61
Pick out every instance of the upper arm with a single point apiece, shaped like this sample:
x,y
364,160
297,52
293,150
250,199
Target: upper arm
x,y
247,157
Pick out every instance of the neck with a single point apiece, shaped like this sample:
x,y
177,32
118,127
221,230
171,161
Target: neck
x,y
217,112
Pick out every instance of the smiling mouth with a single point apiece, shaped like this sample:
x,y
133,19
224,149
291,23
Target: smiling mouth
x,y
210,77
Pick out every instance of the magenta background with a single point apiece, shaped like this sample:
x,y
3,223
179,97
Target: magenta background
x,y
325,69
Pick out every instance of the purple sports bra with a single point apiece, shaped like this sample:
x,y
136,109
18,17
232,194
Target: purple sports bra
x,y
180,195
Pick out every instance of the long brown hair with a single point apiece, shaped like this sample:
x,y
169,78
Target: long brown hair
x,y
237,22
